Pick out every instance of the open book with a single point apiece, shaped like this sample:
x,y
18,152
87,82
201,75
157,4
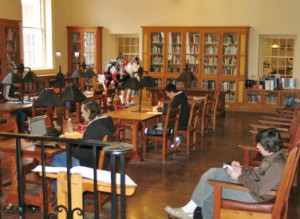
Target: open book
x,y
86,172
154,113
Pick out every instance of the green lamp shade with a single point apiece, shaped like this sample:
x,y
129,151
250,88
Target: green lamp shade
x,y
47,98
72,93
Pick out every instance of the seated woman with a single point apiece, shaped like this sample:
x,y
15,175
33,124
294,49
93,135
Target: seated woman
x,y
98,127
259,180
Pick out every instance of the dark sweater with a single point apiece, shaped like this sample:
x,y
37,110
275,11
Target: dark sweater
x,y
96,130
181,100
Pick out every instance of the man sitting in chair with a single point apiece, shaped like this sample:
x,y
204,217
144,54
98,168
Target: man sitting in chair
x,y
177,99
259,180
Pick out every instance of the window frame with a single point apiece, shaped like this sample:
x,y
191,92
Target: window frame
x,y
47,33
287,59
132,52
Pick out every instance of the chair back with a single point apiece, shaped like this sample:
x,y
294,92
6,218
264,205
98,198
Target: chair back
x,y
99,97
194,116
204,115
9,126
172,120
281,203
109,96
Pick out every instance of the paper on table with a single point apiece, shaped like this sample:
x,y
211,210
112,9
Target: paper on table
x,y
72,135
155,113
86,172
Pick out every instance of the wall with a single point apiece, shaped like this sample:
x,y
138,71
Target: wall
x,y
11,9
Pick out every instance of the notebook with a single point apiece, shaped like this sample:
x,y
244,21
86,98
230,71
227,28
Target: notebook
x,y
37,126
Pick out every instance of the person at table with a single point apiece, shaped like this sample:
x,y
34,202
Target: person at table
x,y
178,98
98,127
11,93
259,181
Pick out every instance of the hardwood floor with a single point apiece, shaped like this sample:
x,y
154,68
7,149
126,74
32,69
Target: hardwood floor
x,y
172,182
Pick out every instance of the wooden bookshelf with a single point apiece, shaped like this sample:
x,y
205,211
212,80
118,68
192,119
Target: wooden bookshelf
x,y
10,53
216,55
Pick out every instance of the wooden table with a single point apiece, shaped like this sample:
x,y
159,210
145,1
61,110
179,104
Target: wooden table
x,y
28,151
134,119
7,109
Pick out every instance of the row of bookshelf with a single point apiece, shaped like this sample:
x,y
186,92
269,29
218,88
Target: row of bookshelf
x,y
157,49
75,46
10,45
231,38
211,50
230,50
194,60
193,49
10,33
176,49
157,37
193,38
229,70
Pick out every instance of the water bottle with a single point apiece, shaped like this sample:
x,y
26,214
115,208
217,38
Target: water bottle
x,y
70,126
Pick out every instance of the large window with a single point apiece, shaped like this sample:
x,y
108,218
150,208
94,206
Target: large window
x,y
37,34
277,55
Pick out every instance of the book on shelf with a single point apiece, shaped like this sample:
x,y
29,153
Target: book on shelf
x,y
86,172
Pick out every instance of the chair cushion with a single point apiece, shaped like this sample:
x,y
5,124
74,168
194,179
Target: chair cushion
x,y
265,207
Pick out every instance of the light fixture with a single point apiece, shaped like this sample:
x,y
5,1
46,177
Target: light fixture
x,y
135,84
12,78
187,76
76,54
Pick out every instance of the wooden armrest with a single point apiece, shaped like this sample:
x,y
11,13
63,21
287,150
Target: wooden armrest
x,y
276,118
288,124
248,148
259,127
235,186
228,185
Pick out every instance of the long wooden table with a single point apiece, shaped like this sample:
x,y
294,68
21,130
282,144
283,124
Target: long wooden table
x,y
6,109
129,116
28,151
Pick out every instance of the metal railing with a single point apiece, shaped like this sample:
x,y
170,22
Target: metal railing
x,y
111,148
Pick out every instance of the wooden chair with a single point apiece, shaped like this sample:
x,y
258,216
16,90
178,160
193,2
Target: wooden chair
x,y
278,208
171,120
190,134
286,128
213,112
204,117
28,163
103,197
109,99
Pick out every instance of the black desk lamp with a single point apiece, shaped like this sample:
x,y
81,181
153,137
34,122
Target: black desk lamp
x,y
135,84
187,76
72,93
48,98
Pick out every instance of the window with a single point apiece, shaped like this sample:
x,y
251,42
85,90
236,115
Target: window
x,y
277,55
128,46
37,34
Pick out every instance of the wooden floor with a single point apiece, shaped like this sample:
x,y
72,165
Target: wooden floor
x,y
172,182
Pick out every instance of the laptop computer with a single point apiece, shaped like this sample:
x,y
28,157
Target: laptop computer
x,y
37,126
